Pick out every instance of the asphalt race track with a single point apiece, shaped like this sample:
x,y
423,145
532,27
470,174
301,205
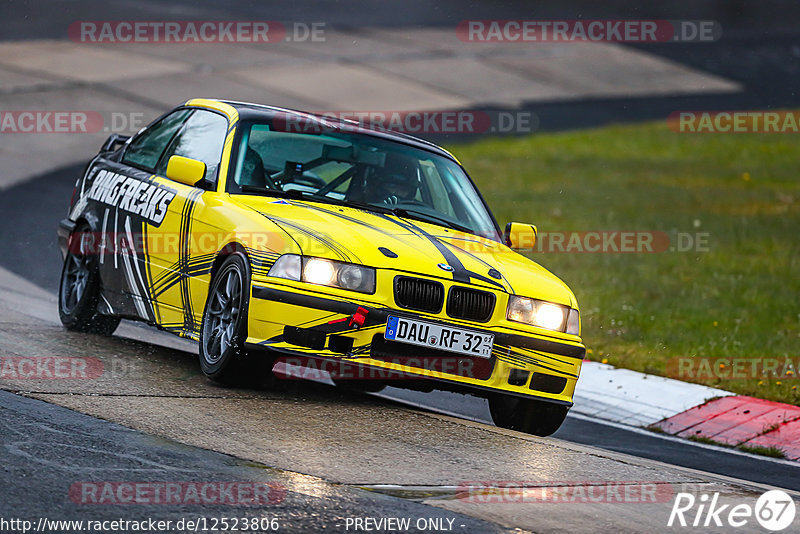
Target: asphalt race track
x,y
328,457
154,386
356,456
34,438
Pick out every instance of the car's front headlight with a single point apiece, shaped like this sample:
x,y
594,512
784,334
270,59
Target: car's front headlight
x,y
325,272
543,314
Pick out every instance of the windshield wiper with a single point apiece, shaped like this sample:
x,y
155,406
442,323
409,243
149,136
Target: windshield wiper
x,y
427,217
408,214
367,207
273,192
291,193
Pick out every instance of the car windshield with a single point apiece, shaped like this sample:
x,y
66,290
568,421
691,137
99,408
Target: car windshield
x,y
358,170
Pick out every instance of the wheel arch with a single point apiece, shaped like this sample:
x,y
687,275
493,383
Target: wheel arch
x,y
230,248
80,222
84,220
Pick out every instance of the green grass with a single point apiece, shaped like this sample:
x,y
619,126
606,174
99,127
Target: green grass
x,y
740,299
772,452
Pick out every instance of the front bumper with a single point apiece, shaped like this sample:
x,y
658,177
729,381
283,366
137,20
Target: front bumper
x,y
311,325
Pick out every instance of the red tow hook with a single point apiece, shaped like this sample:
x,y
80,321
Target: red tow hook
x,y
357,319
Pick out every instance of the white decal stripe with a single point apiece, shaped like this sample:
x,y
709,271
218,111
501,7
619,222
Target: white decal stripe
x,y
103,238
116,226
108,304
137,297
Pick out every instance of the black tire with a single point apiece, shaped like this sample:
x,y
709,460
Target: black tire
x,y
79,288
223,357
532,416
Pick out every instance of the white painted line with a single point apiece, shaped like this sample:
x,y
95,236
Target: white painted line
x,y
633,398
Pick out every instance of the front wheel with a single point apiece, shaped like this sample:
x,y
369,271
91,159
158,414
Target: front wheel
x,y
223,357
79,289
532,416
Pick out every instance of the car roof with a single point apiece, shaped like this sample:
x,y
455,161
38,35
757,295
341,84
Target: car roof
x,y
251,111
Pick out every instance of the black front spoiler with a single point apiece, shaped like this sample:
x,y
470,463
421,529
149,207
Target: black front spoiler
x,y
408,383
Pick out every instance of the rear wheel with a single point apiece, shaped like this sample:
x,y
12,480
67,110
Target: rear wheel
x,y
79,289
223,357
532,416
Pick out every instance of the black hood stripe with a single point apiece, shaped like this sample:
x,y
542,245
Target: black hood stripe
x,y
510,288
345,217
341,252
460,272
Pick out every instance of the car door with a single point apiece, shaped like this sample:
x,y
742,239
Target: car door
x,y
122,199
181,249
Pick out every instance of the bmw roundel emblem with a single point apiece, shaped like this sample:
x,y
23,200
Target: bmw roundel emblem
x,y
445,267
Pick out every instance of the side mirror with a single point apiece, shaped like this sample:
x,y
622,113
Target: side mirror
x,y
113,142
185,170
520,236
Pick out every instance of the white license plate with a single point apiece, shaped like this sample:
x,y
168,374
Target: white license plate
x,y
440,337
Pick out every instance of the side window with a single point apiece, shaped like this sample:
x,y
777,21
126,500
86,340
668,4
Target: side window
x,y
291,161
145,150
201,138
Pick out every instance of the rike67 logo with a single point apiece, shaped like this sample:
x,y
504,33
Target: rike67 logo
x,y
774,511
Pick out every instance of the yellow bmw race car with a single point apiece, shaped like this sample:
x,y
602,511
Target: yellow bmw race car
x,y
271,235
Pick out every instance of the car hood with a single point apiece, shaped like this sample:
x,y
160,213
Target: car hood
x,y
373,239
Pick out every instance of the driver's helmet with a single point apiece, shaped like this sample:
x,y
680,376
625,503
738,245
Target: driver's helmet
x,y
396,181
